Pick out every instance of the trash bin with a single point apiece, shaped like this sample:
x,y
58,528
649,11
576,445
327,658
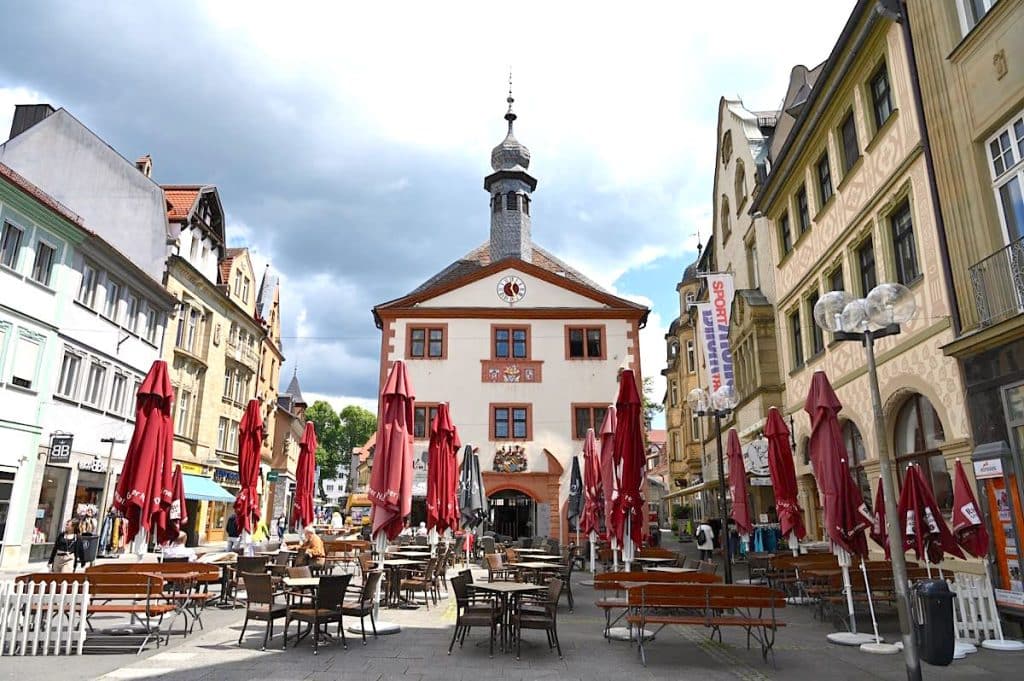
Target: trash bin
x,y
934,621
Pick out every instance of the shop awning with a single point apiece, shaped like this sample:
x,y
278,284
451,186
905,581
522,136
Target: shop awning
x,y
205,489
692,489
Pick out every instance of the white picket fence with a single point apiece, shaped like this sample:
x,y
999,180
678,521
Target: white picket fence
x,y
43,618
975,610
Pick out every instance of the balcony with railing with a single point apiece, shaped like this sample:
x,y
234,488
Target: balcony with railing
x,y
998,283
242,354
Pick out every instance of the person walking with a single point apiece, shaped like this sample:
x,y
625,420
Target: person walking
x,y
233,532
705,539
67,550
282,527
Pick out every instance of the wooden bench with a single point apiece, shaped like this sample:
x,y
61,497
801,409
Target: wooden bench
x,y
750,607
137,595
617,582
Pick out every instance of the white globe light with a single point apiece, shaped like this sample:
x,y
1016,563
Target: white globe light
x,y
725,398
890,304
828,311
855,317
697,399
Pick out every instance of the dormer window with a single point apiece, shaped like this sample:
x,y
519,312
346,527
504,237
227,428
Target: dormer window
x,y
511,201
205,213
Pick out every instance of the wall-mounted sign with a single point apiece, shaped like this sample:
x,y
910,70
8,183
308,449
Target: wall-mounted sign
x,y
989,468
60,448
95,465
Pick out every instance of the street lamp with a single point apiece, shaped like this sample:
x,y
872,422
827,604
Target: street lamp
x,y
718,404
879,314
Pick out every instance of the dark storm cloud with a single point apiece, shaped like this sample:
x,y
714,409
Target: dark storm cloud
x,y
349,220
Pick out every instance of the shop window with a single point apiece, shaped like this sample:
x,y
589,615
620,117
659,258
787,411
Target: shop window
x,y
919,435
857,454
49,511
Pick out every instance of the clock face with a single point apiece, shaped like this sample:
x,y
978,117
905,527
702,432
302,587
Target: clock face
x,y
511,289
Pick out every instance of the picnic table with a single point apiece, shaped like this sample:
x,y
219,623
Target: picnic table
x,y
509,594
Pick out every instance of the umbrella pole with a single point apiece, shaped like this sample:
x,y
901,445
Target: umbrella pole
x,y
851,637
879,647
794,544
381,545
615,554
593,552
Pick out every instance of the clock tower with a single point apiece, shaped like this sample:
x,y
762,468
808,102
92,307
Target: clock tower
x,y
511,189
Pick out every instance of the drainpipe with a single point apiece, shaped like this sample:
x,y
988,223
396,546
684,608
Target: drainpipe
x,y
940,224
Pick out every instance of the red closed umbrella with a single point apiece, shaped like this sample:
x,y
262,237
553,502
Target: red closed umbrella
x,y
250,440
738,485
629,507
593,501
390,488
925,530
175,517
846,516
609,468
305,478
144,489
879,533
442,473
968,525
783,473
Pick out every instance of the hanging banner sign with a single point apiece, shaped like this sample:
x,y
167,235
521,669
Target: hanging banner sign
x,y
713,318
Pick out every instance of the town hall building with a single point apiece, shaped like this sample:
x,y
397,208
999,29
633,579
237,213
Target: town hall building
x,y
525,349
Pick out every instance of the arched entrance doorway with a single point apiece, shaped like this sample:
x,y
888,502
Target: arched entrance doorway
x,y
513,513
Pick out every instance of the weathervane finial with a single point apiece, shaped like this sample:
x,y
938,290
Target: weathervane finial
x,y
510,115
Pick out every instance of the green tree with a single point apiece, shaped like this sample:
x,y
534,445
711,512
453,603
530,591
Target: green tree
x,y
329,438
651,407
357,425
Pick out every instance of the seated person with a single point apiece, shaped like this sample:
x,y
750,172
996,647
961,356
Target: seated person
x,y
177,549
311,550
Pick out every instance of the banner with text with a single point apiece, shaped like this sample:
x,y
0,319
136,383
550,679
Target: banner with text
x,y
713,319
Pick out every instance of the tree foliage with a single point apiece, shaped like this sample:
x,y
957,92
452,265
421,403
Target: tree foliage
x,y
651,407
338,434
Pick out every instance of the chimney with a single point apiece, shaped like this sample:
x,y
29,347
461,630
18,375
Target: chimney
x,y
145,165
27,115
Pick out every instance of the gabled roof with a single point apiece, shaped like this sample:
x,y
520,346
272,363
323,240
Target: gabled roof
x,y
225,264
477,264
182,201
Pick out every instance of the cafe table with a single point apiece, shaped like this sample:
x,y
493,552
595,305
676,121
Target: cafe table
x,y
508,594
652,561
536,567
394,567
544,556
529,550
672,570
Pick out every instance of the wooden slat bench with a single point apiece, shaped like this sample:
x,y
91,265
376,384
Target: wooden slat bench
x,y
139,596
618,582
750,607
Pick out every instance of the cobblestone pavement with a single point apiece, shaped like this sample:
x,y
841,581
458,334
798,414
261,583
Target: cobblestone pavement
x,y
419,652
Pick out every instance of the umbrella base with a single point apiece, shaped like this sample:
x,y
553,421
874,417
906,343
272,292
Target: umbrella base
x,y
586,582
879,648
628,634
1002,644
962,649
383,628
849,638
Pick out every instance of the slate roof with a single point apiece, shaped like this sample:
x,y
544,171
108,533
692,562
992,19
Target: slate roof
x,y
481,257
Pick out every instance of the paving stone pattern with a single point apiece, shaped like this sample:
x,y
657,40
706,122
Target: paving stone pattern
x,y
419,653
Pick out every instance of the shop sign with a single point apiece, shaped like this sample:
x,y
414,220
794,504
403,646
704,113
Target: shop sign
x,y
221,475
756,481
989,468
95,465
1012,598
272,476
192,469
60,448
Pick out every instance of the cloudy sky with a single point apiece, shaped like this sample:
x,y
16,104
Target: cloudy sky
x,y
350,141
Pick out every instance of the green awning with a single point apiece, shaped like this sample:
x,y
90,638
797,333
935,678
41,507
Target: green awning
x,y
205,489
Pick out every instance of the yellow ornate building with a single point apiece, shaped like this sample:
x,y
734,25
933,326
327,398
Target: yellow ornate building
x,y
849,205
221,353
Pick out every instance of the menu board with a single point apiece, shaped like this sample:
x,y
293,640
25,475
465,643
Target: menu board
x,y
1004,504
